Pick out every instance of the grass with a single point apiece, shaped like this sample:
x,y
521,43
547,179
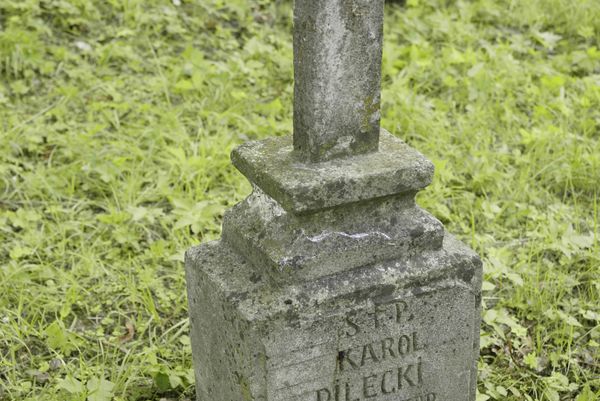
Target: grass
x,y
116,121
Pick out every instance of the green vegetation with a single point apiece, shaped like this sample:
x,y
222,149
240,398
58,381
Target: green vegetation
x,y
116,121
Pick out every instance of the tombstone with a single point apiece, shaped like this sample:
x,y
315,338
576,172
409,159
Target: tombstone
x,y
329,283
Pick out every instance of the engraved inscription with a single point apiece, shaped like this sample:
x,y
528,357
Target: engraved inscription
x,y
414,348
369,392
389,347
384,382
380,316
385,366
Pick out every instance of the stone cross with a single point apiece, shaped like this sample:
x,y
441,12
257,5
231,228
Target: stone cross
x,y
329,283
337,74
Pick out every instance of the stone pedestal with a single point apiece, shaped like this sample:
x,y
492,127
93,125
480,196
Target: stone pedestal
x,y
331,284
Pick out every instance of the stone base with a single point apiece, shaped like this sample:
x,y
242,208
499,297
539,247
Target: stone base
x,y
301,187
402,329
331,284
305,247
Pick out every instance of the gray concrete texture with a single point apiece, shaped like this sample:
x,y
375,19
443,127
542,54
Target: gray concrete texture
x,y
303,186
364,298
329,283
337,75
396,330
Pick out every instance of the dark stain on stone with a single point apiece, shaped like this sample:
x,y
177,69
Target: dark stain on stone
x,y
340,357
466,273
293,318
293,263
255,278
417,232
385,292
238,296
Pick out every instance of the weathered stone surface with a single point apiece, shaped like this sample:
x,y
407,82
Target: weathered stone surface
x,y
346,297
307,246
301,186
337,74
394,330
318,294
329,282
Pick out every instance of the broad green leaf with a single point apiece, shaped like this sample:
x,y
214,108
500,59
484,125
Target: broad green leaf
x,y
59,338
162,381
586,394
99,389
71,385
